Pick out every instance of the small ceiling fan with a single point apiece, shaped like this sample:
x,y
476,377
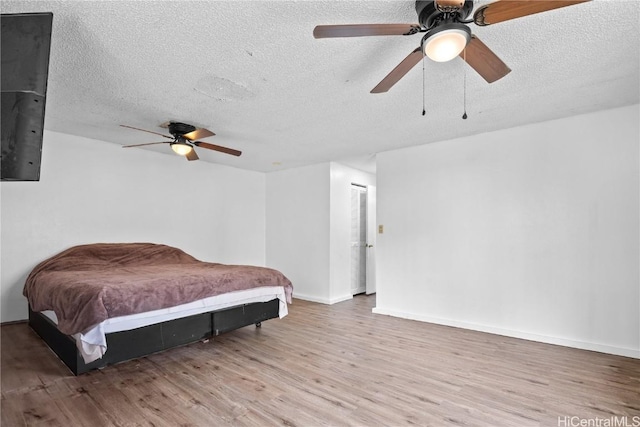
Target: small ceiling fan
x,y
183,140
447,34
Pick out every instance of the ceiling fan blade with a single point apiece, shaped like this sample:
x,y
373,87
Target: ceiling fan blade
x,y
484,61
505,10
148,131
217,148
148,143
363,30
397,73
198,134
192,155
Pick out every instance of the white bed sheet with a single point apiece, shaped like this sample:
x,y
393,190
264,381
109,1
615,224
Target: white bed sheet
x,y
93,343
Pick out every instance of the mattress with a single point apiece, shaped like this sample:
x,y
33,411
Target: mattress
x,y
88,284
92,344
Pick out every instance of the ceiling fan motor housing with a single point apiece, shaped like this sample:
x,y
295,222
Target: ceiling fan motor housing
x,y
178,129
430,15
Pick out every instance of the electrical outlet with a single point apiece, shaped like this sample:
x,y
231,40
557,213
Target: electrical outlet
x,y
380,229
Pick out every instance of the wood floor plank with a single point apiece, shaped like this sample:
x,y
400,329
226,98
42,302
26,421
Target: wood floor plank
x,y
338,365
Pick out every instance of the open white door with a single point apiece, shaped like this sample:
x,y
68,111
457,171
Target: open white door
x,y
371,239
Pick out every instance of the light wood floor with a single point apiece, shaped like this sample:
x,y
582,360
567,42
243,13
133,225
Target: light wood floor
x,y
335,365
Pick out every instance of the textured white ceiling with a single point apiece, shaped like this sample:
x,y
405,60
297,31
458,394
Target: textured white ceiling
x,y
253,73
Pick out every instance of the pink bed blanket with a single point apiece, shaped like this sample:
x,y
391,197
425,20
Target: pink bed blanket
x,y
88,284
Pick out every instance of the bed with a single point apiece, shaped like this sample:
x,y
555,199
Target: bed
x,y
105,303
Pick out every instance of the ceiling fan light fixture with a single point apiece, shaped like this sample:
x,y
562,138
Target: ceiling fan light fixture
x,y
446,41
181,148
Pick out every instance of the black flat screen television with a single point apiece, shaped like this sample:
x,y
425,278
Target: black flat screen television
x,y
26,43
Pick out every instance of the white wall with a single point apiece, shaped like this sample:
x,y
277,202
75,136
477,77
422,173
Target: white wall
x,y
308,228
91,191
529,232
341,178
298,229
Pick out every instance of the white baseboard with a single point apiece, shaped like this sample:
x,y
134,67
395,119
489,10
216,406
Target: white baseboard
x,y
311,298
342,298
321,300
620,351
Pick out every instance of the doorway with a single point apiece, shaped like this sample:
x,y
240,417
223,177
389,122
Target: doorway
x,y
358,239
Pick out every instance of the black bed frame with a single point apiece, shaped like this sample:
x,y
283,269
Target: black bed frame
x,y
127,345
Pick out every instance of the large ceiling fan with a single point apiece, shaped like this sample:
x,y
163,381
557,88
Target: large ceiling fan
x,y
183,140
447,34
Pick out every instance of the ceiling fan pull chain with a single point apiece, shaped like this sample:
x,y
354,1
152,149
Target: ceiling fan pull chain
x,y
464,85
423,109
